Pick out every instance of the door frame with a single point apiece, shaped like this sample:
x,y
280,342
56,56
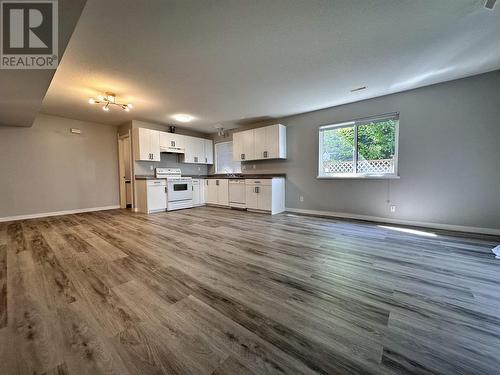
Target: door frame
x,y
121,167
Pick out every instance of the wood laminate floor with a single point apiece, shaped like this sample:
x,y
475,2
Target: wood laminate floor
x,y
214,291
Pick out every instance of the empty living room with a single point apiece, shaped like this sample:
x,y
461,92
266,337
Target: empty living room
x,y
246,187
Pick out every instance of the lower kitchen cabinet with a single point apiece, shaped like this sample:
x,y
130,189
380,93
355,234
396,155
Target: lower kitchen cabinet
x,y
218,191
198,191
265,195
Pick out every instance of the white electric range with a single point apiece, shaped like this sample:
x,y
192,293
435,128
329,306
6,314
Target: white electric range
x,y
179,189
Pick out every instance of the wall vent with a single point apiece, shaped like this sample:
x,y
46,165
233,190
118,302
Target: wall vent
x,y
358,89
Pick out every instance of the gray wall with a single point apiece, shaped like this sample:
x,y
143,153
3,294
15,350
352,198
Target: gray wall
x,y
449,157
45,168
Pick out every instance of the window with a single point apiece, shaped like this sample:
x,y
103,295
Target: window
x,y
224,162
361,148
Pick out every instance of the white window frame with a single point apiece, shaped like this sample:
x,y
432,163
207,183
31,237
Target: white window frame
x,y
215,158
357,123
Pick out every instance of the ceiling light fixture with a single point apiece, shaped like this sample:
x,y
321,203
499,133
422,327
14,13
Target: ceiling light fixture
x,y
220,130
109,99
181,117
490,4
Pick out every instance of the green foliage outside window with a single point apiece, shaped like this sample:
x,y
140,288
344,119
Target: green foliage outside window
x,y
376,140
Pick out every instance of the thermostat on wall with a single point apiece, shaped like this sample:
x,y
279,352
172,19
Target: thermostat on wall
x,y
76,131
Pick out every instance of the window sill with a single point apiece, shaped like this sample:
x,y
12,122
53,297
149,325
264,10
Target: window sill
x,y
359,177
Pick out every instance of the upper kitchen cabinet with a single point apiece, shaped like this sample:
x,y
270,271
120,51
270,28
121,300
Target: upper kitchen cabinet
x,y
198,150
268,142
146,144
244,145
171,142
209,151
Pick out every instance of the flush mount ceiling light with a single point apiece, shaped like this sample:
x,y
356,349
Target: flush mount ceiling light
x,y
182,117
108,100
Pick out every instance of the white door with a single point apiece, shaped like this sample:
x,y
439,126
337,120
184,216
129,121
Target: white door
x,y
251,197
223,192
209,151
260,142
200,150
212,189
203,191
272,150
144,142
196,192
237,146
154,145
189,150
264,197
248,145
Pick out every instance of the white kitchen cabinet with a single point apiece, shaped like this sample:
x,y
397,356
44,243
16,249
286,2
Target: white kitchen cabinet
x,y
198,191
268,142
265,194
244,146
223,192
203,193
212,191
146,144
218,191
172,142
209,151
194,150
151,196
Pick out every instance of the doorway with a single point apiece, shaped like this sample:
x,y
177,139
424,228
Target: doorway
x,y
125,167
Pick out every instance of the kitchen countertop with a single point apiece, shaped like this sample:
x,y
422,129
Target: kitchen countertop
x,y
212,176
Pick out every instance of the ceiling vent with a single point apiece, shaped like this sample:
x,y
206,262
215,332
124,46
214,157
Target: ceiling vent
x,y
359,89
490,4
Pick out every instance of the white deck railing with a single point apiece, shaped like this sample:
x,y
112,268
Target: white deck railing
x,y
364,166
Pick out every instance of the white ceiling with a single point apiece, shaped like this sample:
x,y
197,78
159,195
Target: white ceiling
x,y
22,91
227,60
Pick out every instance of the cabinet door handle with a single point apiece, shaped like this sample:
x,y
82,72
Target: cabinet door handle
x,y
217,182
257,190
242,157
265,154
165,189
206,160
196,159
207,182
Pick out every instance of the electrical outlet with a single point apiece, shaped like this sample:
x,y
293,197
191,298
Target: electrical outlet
x,y
301,198
254,166
199,169
243,167
151,167
392,208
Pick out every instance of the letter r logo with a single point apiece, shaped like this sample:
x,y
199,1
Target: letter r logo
x,y
28,27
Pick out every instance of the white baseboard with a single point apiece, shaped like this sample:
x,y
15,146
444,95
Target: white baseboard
x,y
458,228
57,213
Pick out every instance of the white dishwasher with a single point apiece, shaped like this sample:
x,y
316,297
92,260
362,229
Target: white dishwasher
x,y
237,193
157,196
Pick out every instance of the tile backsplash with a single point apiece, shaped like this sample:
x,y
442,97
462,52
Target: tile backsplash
x,y
169,161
